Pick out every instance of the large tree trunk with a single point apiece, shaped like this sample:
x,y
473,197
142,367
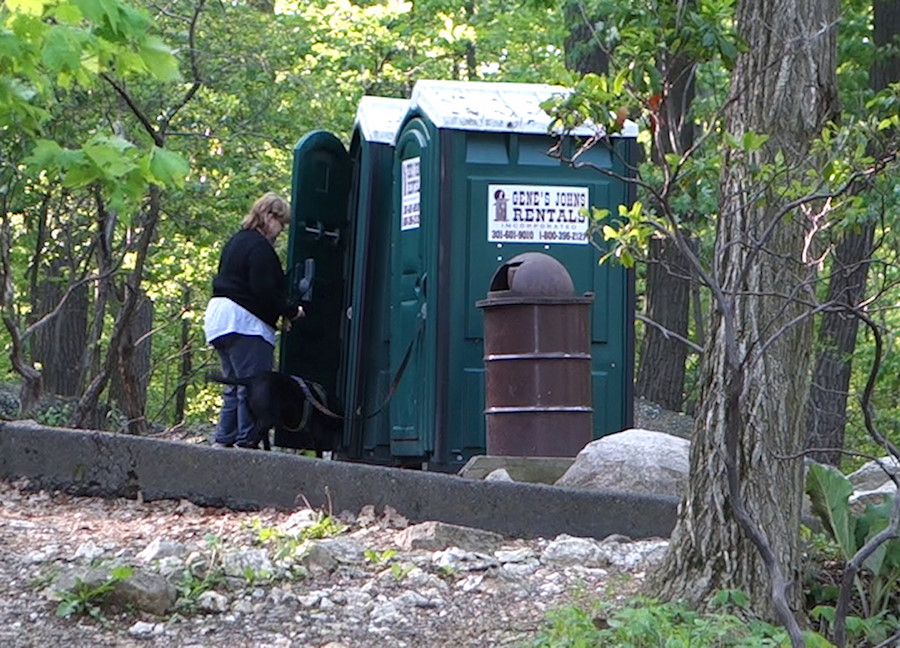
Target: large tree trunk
x,y
738,526
827,409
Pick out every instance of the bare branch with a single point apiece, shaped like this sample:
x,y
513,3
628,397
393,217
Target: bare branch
x,y
669,335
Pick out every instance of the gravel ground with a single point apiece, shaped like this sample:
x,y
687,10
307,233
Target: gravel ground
x,y
384,596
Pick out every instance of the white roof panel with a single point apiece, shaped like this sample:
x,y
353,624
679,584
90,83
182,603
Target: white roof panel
x,y
378,118
488,106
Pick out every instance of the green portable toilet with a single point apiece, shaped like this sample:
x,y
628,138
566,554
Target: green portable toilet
x,y
341,210
366,365
317,259
474,187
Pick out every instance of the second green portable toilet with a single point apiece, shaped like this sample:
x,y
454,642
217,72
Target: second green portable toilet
x,y
366,361
473,187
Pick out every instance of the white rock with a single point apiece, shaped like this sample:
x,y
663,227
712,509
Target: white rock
x,y
88,551
160,548
212,601
145,629
634,461
568,550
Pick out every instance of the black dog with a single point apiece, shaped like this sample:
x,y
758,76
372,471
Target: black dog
x,y
295,407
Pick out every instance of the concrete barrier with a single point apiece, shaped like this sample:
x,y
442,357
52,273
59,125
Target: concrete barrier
x,y
117,465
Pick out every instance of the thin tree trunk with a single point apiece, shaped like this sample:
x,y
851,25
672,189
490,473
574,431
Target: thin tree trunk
x,y
131,376
584,53
738,526
90,399
186,363
827,408
660,376
60,344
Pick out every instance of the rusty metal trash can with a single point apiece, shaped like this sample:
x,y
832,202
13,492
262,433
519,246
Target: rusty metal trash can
x,y
537,358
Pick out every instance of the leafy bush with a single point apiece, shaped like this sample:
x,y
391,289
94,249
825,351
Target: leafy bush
x,y
876,586
646,623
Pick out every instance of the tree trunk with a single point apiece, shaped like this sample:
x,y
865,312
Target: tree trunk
x,y
827,408
754,374
87,406
583,50
132,375
661,371
59,345
184,377
660,376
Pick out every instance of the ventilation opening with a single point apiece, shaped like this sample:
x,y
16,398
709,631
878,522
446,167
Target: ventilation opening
x,y
503,278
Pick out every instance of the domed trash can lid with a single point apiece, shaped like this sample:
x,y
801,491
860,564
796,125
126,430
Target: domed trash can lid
x,y
532,277
533,273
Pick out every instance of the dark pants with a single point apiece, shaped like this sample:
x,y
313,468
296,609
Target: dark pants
x,y
242,356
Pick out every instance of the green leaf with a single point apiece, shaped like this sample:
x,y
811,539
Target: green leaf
x,y
67,13
753,141
30,7
159,59
829,492
97,10
121,572
67,608
167,167
45,155
598,214
619,81
823,612
62,48
110,155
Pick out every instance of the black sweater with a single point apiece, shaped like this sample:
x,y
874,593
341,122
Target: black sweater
x,y
250,274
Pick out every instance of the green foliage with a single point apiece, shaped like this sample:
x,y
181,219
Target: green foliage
x,y
644,623
377,557
287,544
200,577
400,571
877,586
87,599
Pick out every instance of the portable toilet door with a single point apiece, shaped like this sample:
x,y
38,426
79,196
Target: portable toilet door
x,y
317,260
367,361
413,271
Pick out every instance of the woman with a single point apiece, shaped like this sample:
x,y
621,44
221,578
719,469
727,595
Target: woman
x,y
249,295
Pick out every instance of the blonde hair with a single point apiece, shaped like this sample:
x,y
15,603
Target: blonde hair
x,y
269,203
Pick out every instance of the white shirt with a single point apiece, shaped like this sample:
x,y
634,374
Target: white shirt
x,y
224,316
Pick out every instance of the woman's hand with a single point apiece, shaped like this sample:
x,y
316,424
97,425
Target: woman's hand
x,y
286,321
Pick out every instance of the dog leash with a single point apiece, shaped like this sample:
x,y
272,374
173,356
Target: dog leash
x,y
393,387
396,381
315,401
